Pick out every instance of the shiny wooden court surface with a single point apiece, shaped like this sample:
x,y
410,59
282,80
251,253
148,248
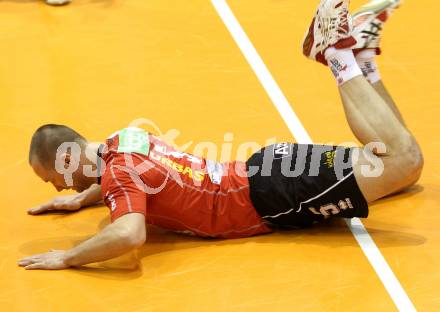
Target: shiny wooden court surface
x,y
97,65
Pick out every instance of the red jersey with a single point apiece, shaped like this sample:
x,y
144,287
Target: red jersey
x,y
176,190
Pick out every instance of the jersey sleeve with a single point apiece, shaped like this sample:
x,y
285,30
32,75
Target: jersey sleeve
x,y
121,194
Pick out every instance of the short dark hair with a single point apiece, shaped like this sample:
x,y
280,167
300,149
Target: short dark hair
x,y
48,138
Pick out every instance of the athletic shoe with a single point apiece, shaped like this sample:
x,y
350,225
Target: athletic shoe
x,y
331,27
368,23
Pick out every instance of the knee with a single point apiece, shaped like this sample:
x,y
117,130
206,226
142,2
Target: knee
x,y
413,162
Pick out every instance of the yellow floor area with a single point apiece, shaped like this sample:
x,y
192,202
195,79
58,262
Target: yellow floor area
x,y
96,65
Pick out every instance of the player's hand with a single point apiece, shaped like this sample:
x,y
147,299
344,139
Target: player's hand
x,y
61,203
52,260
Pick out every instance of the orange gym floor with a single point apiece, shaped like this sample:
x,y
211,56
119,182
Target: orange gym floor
x,y
96,65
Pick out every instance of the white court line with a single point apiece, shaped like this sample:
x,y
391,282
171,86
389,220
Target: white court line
x,y
372,252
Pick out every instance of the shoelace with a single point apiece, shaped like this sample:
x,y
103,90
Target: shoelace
x,y
331,26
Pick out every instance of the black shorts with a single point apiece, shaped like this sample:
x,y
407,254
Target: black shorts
x,y
297,185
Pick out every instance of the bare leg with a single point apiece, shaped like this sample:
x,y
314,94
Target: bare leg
x,y
373,120
372,115
386,96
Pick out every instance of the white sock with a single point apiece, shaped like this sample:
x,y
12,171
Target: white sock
x,y
366,60
342,64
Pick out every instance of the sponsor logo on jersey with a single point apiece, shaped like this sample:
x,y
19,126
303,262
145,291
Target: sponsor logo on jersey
x,y
330,158
197,175
112,202
215,171
160,149
282,150
134,140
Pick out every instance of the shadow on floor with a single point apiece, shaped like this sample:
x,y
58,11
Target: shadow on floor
x,y
332,233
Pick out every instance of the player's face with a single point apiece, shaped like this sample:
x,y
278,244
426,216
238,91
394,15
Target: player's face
x,y
80,182
48,175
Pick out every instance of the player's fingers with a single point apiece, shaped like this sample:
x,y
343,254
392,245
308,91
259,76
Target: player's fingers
x,y
24,262
40,209
34,257
27,261
29,258
35,266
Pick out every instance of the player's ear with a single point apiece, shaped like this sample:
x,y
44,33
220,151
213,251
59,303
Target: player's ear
x,y
66,158
63,160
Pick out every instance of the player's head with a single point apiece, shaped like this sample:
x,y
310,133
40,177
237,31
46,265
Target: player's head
x,y
43,151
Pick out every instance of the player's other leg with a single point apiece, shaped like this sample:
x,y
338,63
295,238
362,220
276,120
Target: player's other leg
x,y
329,41
372,120
368,25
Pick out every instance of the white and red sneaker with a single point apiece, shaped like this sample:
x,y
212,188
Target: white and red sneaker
x,y
331,27
368,23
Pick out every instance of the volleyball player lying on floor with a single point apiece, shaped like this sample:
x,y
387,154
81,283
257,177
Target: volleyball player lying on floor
x,y
145,181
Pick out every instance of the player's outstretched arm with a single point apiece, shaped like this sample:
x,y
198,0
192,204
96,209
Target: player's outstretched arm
x,y
125,234
70,202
